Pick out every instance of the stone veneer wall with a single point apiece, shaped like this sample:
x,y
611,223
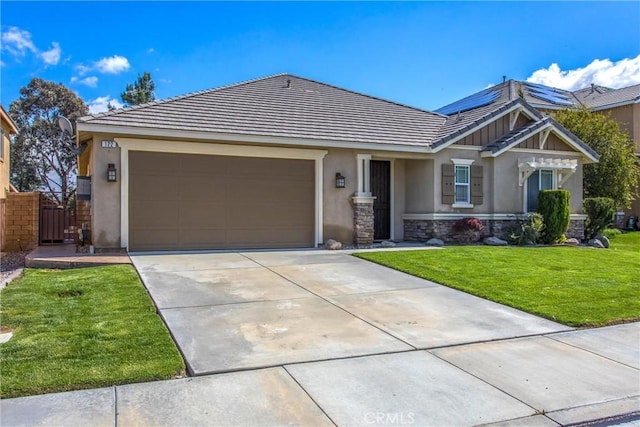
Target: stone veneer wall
x,y
20,221
423,230
362,224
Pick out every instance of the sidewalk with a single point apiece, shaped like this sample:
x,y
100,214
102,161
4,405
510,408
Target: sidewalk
x,y
65,256
548,380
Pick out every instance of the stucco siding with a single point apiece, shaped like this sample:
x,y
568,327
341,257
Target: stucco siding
x,y
420,186
338,209
105,196
399,196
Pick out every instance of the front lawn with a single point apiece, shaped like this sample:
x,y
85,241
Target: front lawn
x,y
576,286
83,328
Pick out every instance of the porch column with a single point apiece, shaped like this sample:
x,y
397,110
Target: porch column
x,y
363,221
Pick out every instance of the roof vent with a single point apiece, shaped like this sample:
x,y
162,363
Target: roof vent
x,y
593,87
288,84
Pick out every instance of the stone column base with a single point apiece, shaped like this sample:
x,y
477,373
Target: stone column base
x,y
363,221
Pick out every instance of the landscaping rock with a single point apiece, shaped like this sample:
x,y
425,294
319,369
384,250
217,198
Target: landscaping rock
x,y
387,244
332,245
572,242
494,241
435,242
603,239
594,243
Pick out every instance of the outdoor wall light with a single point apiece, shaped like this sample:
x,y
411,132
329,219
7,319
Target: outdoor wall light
x,y
111,172
340,180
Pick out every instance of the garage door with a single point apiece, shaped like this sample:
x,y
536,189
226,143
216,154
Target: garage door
x,y
185,201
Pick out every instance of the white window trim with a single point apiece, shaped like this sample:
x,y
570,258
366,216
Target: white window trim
x,y
467,163
364,167
2,145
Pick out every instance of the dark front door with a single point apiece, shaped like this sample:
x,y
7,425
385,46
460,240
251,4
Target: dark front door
x,y
381,190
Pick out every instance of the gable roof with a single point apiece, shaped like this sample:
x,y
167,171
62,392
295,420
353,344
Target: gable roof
x,y
284,106
598,97
275,108
515,137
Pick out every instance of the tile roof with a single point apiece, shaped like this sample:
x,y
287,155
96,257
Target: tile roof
x,y
283,105
599,97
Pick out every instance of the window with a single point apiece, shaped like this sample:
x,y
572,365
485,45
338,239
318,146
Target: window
x,y
543,179
462,187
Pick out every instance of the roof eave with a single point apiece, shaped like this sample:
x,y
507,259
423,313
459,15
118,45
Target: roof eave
x,y
248,138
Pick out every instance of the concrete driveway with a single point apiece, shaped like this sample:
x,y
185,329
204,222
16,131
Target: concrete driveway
x,y
238,311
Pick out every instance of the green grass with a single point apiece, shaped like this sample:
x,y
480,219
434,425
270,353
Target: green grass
x,y
84,328
576,286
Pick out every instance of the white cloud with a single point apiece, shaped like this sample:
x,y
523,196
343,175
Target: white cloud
x,y
112,65
602,72
101,104
151,50
52,56
18,41
82,69
91,81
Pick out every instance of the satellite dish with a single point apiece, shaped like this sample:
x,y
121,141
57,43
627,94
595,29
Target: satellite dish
x,y
66,127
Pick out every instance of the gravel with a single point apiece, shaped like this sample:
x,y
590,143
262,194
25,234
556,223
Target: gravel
x,y
10,262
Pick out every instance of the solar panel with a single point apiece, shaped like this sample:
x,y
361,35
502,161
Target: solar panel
x,y
476,100
549,94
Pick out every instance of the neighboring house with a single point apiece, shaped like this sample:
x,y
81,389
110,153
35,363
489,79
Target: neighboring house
x,y
623,105
8,128
285,161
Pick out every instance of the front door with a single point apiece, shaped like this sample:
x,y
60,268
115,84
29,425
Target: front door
x,y
381,190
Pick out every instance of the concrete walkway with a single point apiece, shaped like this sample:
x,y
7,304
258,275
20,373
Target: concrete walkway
x,y
320,338
65,256
555,379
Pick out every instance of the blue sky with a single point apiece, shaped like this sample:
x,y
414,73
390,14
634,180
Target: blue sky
x,y
424,54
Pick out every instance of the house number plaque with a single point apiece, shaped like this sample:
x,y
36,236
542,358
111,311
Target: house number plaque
x,y
109,144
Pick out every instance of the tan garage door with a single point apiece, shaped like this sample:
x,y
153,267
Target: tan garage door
x,y
185,201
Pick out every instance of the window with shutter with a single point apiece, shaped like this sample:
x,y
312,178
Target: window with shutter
x,y
462,184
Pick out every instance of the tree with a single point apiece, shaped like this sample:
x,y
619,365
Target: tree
x,y
140,91
616,175
41,156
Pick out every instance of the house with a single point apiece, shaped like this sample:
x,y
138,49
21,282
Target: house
x,y
285,161
7,128
622,105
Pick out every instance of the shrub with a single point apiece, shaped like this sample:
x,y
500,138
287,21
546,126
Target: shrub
x,y
527,229
611,233
467,230
599,212
553,205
